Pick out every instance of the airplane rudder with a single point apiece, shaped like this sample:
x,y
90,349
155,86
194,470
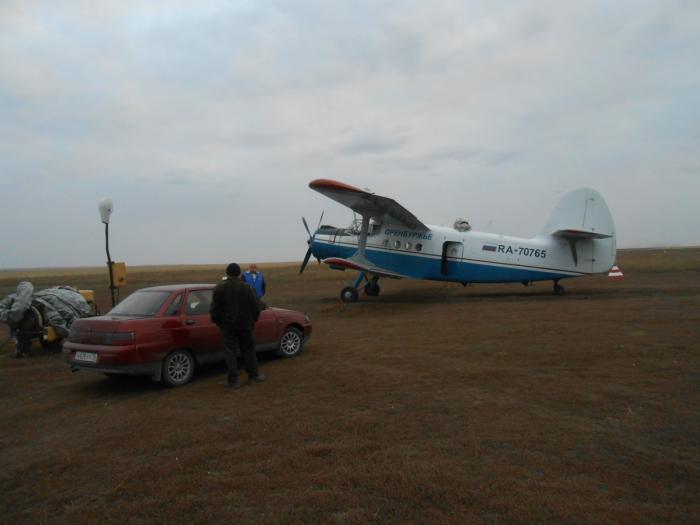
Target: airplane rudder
x,y
582,209
604,254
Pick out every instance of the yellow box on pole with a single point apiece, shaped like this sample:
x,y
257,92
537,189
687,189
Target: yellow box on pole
x,y
119,274
88,295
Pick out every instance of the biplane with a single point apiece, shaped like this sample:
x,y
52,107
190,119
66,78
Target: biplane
x,y
388,241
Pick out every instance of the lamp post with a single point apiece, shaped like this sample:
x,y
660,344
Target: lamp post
x,y
106,206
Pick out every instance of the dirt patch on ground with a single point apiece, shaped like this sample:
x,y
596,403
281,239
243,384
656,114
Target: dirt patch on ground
x,y
429,404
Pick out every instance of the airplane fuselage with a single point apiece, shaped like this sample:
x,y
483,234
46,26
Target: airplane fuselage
x,y
445,254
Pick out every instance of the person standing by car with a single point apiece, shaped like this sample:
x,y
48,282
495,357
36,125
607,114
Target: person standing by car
x,y
235,309
255,279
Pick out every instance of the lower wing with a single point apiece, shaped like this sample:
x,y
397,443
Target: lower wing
x,y
361,266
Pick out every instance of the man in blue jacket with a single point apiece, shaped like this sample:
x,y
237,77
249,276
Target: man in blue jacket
x,y
255,279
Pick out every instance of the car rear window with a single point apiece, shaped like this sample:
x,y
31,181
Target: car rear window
x,y
143,303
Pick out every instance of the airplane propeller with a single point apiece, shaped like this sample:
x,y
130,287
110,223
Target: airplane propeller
x,y
309,242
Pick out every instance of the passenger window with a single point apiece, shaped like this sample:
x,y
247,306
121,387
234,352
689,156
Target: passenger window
x,y
386,242
397,244
419,247
408,245
198,302
174,306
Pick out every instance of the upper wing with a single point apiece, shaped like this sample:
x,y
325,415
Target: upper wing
x,y
362,266
366,203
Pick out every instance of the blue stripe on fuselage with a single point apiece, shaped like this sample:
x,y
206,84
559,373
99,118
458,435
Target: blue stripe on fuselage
x,y
427,267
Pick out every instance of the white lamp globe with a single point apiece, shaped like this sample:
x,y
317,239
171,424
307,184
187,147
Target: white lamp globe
x,y
106,208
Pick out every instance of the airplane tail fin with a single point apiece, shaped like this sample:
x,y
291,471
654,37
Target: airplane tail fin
x,y
583,219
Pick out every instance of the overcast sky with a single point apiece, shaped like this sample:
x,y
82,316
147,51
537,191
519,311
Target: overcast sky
x,y
205,120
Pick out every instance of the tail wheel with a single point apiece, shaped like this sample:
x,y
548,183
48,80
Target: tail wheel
x,y
291,343
178,368
349,294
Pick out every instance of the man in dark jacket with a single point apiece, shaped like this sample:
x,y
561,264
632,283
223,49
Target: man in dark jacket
x,y
235,309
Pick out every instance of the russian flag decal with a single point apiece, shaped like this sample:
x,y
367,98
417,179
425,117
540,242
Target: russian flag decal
x,y
489,248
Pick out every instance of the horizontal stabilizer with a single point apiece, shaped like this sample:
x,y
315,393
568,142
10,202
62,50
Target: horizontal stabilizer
x,y
360,266
580,234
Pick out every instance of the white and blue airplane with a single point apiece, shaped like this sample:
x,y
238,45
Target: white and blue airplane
x,y
389,241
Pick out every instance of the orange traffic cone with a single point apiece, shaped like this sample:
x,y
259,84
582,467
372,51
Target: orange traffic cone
x,y
615,273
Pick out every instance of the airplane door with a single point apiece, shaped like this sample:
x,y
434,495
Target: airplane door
x,y
452,253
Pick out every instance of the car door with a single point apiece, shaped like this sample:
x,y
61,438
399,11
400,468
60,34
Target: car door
x,y
266,328
204,336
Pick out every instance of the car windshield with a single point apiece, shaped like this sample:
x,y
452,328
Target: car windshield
x,y
142,303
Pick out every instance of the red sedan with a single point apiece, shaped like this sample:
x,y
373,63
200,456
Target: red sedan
x,y
165,332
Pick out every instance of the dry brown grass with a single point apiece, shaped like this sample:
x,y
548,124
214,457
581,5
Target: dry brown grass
x,y
430,404
660,260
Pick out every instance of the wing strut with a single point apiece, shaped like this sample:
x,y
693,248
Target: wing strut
x,y
362,242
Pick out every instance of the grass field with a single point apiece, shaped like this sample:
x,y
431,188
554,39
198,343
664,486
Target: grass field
x,y
432,403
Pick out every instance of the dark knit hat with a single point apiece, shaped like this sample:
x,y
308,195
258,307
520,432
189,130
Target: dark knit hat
x,y
233,270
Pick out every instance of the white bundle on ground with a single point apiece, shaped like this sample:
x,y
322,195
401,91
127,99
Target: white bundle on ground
x,y
59,306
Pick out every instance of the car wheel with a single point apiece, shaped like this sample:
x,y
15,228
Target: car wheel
x,y
178,368
291,343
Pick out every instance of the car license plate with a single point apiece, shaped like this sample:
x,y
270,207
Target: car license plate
x,y
89,357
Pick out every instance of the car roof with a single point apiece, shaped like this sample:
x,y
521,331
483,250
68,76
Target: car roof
x,y
174,287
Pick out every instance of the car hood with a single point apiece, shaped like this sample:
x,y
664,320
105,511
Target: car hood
x,y
284,312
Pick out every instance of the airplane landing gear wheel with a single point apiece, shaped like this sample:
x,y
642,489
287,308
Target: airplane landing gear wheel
x,y
372,288
558,289
349,294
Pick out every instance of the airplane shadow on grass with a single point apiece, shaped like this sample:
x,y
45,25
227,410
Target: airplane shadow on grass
x,y
453,296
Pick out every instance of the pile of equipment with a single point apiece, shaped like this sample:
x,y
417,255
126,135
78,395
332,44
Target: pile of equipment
x,y
45,315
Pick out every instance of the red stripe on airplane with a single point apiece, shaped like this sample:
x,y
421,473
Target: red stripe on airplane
x,y
343,262
328,184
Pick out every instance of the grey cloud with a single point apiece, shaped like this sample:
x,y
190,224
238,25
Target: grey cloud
x,y
372,145
215,103
497,158
475,155
260,139
435,163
